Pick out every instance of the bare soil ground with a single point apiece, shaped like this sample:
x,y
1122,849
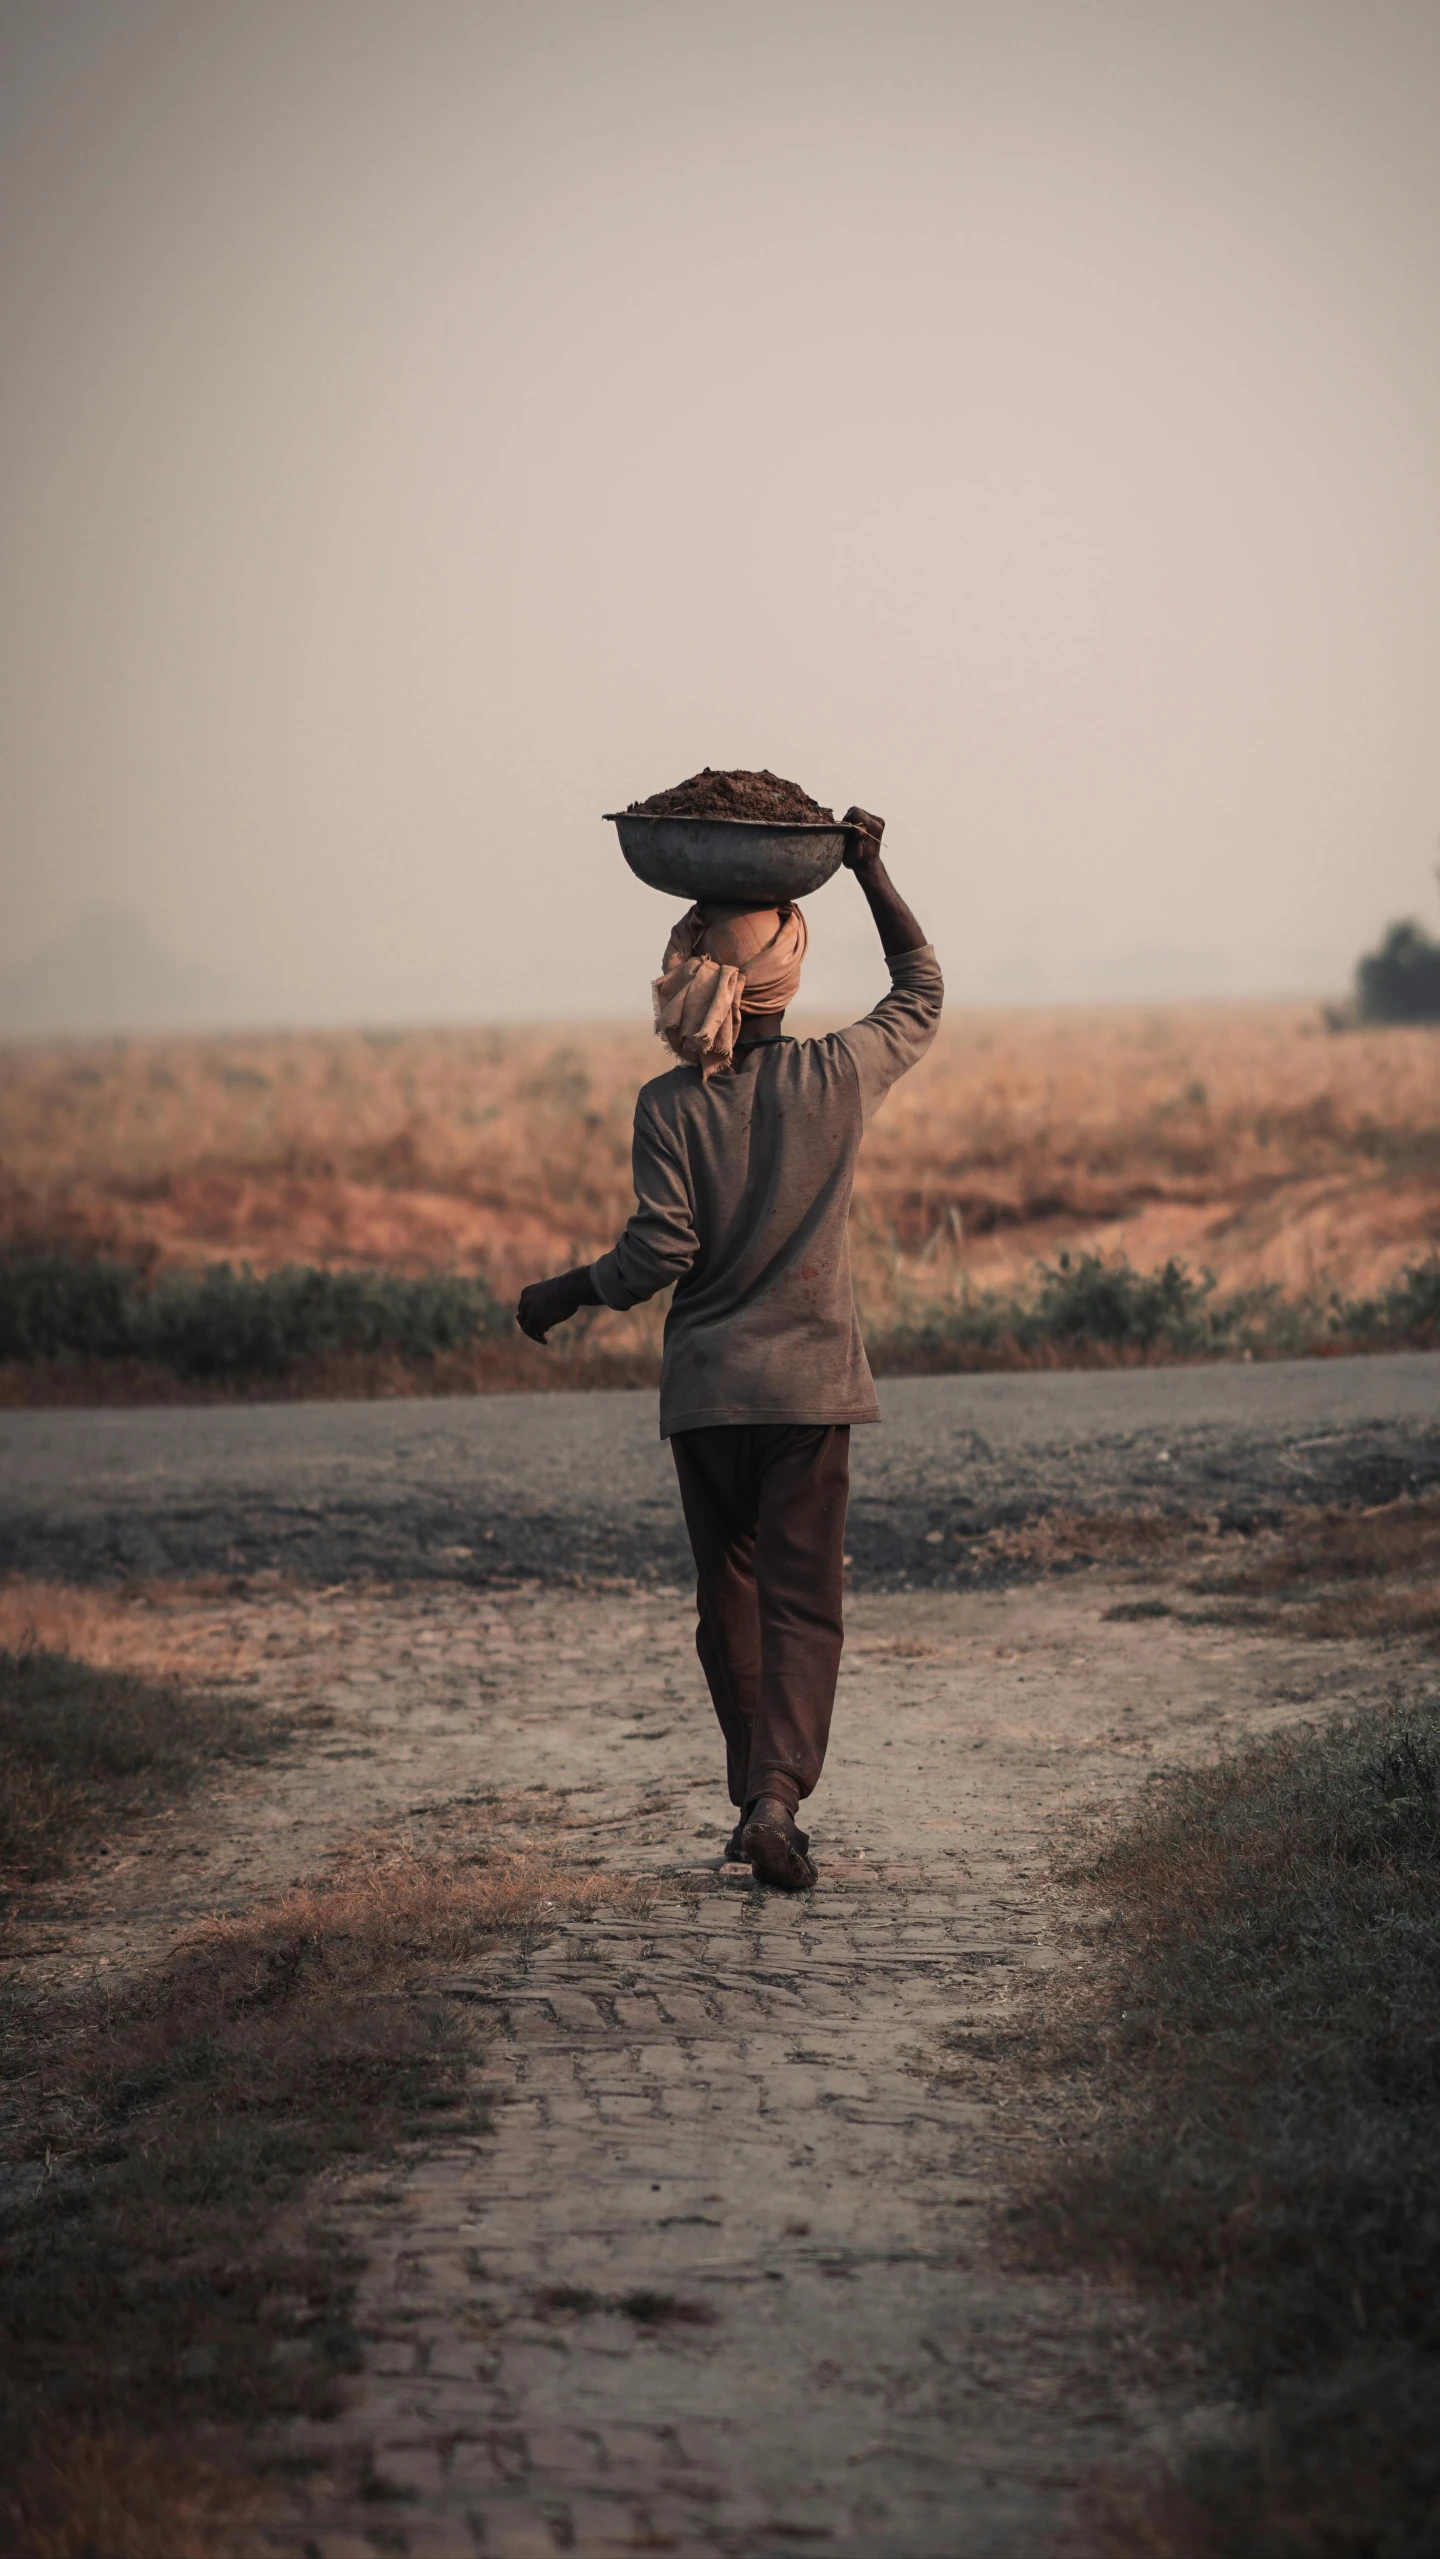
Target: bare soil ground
x,y
722,2275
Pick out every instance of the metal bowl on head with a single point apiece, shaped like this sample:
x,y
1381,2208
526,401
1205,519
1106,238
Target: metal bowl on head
x,y
728,861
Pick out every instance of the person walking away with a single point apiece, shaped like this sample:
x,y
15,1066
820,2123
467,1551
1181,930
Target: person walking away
x,y
744,1161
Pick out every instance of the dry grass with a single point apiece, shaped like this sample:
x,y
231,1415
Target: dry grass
x,y
98,2496
410,1151
113,1705
1260,2128
1063,1540
155,1629
390,1903
1236,1136
84,1753
1394,1540
163,2282
1252,2116
1389,1615
1333,1575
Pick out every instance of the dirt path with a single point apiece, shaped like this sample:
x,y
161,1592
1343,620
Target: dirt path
x,y
721,2278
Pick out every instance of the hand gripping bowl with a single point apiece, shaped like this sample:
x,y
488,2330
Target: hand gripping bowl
x,y
728,861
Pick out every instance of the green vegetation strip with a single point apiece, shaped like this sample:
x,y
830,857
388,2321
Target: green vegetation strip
x,y
1089,1303
1263,2067
227,1324
222,1322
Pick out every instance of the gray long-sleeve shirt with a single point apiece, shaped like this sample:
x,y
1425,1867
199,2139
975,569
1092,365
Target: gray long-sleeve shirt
x,y
742,1184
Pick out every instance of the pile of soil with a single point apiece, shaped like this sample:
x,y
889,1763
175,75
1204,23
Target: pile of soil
x,y
755,795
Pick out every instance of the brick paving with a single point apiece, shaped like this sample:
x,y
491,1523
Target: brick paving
x,y
711,2286
721,2276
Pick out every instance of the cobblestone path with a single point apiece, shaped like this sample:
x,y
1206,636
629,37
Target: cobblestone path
x,y
721,2277
710,2289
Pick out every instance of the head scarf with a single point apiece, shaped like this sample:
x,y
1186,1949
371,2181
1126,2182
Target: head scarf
x,y
721,962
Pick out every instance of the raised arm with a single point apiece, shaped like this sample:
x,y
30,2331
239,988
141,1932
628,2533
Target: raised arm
x,y
897,926
895,1036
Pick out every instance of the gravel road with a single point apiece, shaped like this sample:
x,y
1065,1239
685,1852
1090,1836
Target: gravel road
x,y
566,1487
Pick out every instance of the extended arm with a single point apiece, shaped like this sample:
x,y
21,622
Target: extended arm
x,y
897,926
658,1244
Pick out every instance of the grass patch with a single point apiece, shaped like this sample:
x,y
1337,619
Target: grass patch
x,y
85,1750
99,2497
159,2278
223,1322
163,1630
88,1330
1262,2063
1329,1574
1093,1309
1337,1546
1334,1574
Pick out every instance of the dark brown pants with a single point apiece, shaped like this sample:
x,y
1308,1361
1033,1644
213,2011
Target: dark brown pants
x,y
765,1507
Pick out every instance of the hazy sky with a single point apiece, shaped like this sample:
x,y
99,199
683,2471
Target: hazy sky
x,y
428,423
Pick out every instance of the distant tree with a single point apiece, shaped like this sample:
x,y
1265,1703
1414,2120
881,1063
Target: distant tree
x,y
1401,981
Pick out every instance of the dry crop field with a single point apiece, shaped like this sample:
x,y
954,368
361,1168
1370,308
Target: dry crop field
x,y
1243,1138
